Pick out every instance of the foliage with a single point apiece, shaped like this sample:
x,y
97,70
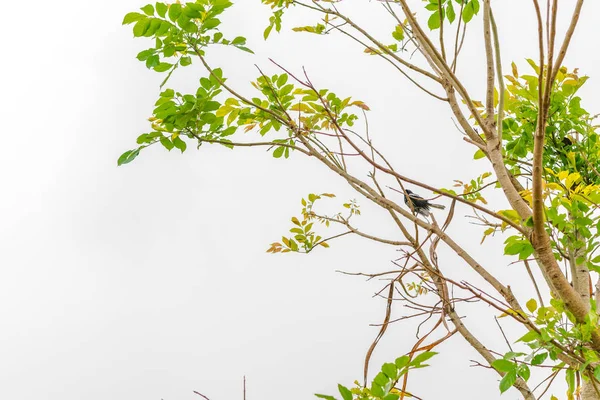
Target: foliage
x,y
383,386
289,115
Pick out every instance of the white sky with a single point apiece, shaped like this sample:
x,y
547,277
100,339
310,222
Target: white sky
x,y
151,280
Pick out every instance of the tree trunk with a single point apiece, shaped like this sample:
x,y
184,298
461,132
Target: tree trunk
x,y
588,392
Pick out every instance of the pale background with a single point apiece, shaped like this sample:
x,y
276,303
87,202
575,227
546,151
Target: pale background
x,y
151,280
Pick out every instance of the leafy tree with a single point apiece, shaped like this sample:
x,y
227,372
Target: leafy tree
x,y
531,130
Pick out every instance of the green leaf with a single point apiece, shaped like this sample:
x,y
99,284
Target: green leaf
x,y
597,372
450,12
570,377
398,33
267,31
390,370
402,362
324,396
184,23
426,355
161,9
514,248
163,29
166,142
141,27
508,380
133,17
185,61
243,48
180,144
467,13
377,390
229,131
278,152
148,9
524,372
434,21
162,67
174,11
539,359
155,23
240,40
529,337
128,156
391,396
381,379
283,79
504,365
191,11
479,154
345,392
144,54
211,23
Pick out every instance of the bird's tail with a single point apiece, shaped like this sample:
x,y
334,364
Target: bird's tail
x,y
440,206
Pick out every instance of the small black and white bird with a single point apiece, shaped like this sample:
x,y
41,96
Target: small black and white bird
x,y
420,205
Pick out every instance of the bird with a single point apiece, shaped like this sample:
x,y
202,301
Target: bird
x,y
419,204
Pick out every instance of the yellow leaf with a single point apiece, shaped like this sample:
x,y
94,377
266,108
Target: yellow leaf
x,y
562,175
301,107
495,97
223,111
572,178
249,127
360,104
370,50
531,305
510,214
